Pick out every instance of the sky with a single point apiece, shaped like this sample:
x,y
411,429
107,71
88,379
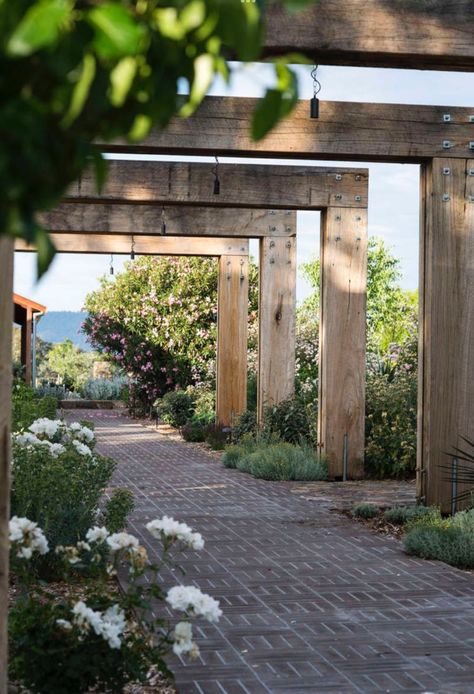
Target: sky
x,y
393,188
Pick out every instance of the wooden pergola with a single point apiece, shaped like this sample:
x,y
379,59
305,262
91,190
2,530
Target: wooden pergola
x,y
140,196
24,312
408,34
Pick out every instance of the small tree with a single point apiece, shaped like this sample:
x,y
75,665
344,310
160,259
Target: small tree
x,y
69,363
158,321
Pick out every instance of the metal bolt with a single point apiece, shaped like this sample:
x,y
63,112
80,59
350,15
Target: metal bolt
x,y
471,198
272,211
357,198
288,228
358,219
338,238
272,244
447,144
272,260
446,171
338,177
470,172
288,212
272,228
338,196
446,117
446,197
358,177
471,119
288,244
338,218
358,238
471,145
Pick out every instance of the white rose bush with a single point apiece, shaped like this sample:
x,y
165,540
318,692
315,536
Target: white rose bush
x,y
95,633
58,481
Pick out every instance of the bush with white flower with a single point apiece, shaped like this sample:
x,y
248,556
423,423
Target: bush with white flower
x,y
95,635
58,481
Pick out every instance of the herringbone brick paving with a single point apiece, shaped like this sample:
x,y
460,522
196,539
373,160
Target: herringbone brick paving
x,y
312,602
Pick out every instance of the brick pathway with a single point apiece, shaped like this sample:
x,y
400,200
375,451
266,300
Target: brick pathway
x,y
312,602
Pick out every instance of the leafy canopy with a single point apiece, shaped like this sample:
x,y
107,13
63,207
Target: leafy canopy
x,y
77,71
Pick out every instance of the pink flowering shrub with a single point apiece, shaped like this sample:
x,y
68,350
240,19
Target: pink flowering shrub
x,y
157,321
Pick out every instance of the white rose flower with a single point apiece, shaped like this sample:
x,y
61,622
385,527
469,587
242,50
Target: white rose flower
x,y
26,439
81,448
191,599
46,427
119,541
97,534
168,527
27,536
64,624
183,638
56,449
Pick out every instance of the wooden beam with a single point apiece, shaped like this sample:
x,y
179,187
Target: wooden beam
x,y
6,321
241,185
120,244
446,392
84,218
433,35
232,331
277,316
344,131
341,412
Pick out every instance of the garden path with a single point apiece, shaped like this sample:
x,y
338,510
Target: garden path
x,y
312,601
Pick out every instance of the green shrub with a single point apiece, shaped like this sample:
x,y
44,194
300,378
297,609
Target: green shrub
x,y
58,481
193,431
365,510
117,509
216,436
391,399
400,515
294,419
246,424
275,460
451,544
175,408
27,406
104,388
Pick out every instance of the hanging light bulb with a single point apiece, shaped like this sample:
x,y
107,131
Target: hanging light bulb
x,y
111,270
132,250
217,183
314,103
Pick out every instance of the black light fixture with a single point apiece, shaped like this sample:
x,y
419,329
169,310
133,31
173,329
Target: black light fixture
x,y
132,250
217,183
163,222
111,269
314,103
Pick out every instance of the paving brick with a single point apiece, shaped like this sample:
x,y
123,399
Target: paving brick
x,y
312,601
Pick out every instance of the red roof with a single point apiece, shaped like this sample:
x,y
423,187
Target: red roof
x,y
22,301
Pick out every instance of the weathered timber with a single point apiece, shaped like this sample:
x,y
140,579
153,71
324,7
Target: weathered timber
x,y
232,332
242,185
84,218
143,245
341,410
277,313
344,131
6,321
446,392
417,34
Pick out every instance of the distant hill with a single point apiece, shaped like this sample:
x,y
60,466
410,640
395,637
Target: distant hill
x,y
57,326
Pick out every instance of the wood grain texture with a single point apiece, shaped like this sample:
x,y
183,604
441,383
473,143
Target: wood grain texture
x,y
241,185
341,413
344,131
417,34
447,324
120,244
6,321
84,218
277,314
26,336
232,332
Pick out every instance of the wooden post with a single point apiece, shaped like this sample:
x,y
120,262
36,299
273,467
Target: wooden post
x,y
277,309
446,378
6,321
232,329
26,337
341,414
